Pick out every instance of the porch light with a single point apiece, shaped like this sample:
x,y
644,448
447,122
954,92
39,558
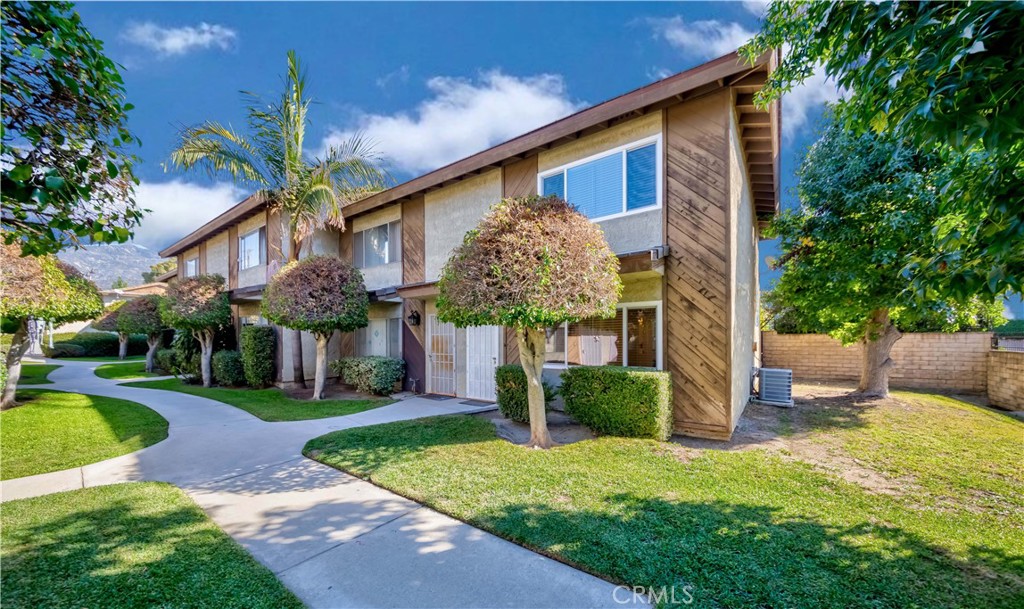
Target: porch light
x,y
414,318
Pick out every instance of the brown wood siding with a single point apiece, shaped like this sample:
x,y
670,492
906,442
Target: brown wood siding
x,y
697,338
275,249
519,179
233,257
413,241
414,271
202,258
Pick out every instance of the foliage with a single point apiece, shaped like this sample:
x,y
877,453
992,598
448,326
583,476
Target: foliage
x,y
107,321
119,283
228,369
944,76
59,350
66,167
513,402
196,304
158,269
166,360
1014,327
371,374
618,401
531,262
259,352
779,316
269,404
318,294
141,316
187,358
96,344
43,287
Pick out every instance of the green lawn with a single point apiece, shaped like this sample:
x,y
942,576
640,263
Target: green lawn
x,y
751,527
142,544
54,430
35,374
132,370
269,404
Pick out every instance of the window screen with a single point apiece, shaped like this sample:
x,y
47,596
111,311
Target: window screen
x,y
595,188
251,248
641,178
378,245
555,185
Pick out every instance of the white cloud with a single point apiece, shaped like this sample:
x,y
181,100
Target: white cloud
x,y
177,208
168,41
705,39
756,7
806,101
399,76
461,117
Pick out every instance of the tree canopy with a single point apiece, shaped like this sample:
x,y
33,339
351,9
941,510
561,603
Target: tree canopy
x,y
318,294
67,166
141,316
43,287
107,321
943,76
196,304
158,269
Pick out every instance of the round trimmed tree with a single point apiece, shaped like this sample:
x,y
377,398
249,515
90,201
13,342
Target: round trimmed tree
x,y
532,263
107,322
198,305
39,288
321,295
142,316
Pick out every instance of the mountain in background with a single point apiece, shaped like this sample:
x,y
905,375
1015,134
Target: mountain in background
x,y
105,263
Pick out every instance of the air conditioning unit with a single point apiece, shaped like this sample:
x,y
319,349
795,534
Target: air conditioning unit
x,y
776,387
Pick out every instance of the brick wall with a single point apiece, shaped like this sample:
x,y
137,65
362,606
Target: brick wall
x,y
955,362
1006,379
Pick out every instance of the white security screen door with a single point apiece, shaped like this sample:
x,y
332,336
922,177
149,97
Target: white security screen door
x,y
482,346
440,356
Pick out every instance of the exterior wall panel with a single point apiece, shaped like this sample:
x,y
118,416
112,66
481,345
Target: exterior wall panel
x,y
452,211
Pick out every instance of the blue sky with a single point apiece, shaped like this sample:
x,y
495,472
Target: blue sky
x,y
430,83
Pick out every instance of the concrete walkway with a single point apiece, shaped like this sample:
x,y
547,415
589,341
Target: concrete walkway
x,y
333,539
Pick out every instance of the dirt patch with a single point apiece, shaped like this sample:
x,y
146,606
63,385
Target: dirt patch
x,y
563,428
332,391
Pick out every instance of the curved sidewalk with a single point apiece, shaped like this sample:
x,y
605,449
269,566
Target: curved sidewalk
x,y
333,539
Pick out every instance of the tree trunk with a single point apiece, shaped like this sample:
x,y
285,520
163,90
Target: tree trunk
x,y
153,340
205,338
122,346
531,356
19,345
878,340
321,366
298,366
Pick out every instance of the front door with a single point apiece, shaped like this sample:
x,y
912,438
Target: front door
x,y
482,346
440,356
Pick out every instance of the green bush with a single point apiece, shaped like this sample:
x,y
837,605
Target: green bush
x,y
96,344
631,402
187,358
513,401
227,368
372,374
259,350
64,350
165,360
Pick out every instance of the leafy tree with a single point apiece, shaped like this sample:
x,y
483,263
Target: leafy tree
x,y
946,77
39,288
867,205
321,295
107,322
199,305
271,161
530,264
142,316
66,166
119,283
158,269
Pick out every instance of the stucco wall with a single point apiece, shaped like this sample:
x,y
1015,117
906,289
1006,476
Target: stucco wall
x,y
1006,379
217,255
385,275
642,287
452,211
256,275
192,252
634,232
743,257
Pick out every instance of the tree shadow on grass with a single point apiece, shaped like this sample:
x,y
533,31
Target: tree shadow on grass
x,y
736,555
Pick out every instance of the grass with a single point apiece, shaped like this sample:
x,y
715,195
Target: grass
x,y
132,370
269,404
141,544
54,430
107,358
741,528
35,374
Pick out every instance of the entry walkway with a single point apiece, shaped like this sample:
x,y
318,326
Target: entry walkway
x,y
333,539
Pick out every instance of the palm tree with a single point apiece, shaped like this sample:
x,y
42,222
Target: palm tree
x,y
270,160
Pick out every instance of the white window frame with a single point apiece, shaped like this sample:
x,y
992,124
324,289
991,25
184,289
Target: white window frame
x,y
196,270
387,251
659,172
624,307
260,247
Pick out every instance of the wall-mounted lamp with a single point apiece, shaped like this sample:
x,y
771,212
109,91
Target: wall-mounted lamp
x,y
414,318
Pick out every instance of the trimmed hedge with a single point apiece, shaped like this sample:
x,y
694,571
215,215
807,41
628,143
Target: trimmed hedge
x,y
165,360
630,402
259,349
513,399
64,350
372,374
227,368
97,344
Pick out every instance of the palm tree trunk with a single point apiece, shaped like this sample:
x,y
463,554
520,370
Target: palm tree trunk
x,y
531,355
19,345
298,366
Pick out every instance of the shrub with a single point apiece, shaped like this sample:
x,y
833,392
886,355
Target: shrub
x,y
512,395
373,374
64,350
631,402
99,344
165,360
227,368
187,358
259,346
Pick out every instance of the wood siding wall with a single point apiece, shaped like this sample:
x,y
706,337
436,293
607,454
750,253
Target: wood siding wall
x,y
519,179
414,271
233,257
697,271
202,258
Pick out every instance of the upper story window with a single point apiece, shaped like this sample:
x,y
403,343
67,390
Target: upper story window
x,y
192,267
613,183
378,245
252,248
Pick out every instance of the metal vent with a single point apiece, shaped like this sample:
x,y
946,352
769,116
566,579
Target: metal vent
x,y
776,386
